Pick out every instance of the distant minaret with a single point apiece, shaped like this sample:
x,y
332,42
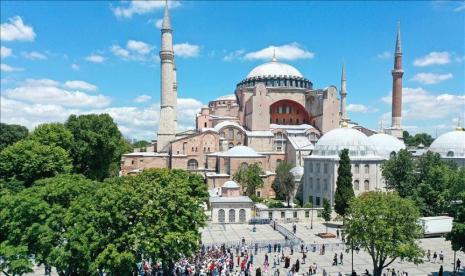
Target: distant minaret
x,y
343,93
167,125
397,73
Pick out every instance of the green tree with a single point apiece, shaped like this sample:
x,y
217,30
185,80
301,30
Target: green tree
x,y
15,260
417,139
141,145
385,225
53,134
284,184
399,173
326,214
10,134
457,235
28,160
344,189
98,145
250,178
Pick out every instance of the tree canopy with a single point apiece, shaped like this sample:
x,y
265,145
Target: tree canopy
x,y
344,190
10,134
98,145
385,225
249,178
53,134
457,235
417,139
284,184
80,226
28,160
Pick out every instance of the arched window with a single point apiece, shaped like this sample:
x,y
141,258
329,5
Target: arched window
x,y
279,141
205,124
192,164
366,183
221,216
232,216
244,165
367,168
357,168
242,215
230,145
356,185
450,154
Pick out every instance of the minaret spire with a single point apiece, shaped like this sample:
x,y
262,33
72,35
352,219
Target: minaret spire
x,y
168,102
397,73
343,93
274,55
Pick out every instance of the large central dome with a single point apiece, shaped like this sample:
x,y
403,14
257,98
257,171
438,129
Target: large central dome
x,y
274,68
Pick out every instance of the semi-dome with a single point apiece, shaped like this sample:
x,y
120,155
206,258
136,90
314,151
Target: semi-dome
x,y
450,144
334,141
274,68
241,151
230,184
385,144
297,172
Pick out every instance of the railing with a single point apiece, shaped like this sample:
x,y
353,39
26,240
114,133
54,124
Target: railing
x,y
289,236
259,221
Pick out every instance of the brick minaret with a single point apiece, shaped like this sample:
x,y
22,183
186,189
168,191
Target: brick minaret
x,y
167,125
397,73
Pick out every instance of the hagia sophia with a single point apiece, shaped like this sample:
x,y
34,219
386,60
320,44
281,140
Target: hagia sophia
x,y
277,114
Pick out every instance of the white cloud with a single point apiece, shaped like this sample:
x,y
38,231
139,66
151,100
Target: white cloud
x,y
49,92
80,85
134,50
384,55
234,55
433,58
431,78
159,23
95,58
420,104
16,30
292,51
142,98
186,50
34,55
7,68
75,67
139,47
360,108
460,7
142,7
5,52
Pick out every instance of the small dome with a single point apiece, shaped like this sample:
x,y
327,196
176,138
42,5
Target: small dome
x,y
450,144
230,185
334,141
274,68
297,172
386,144
241,151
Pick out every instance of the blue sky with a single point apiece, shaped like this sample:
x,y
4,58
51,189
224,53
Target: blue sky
x,y
60,58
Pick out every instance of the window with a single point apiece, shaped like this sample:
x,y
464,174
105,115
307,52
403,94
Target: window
x,y
230,145
325,184
205,124
310,167
357,168
450,154
307,214
367,168
283,214
142,160
221,216
318,167
356,185
270,215
310,184
317,201
230,133
232,216
318,186
366,183
325,168
259,194
242,215
132,162
192,164
279,141
295,214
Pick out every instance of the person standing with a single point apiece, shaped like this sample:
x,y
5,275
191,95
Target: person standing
x,y
341,258
428,255
441,271
441,256
297,266
337,233
458,263
335,259
435,257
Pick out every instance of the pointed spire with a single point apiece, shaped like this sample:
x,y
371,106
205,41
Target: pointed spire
x,y
343,75
166,25
398,42
274,55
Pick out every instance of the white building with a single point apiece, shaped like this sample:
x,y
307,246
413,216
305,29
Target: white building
x,y
366,156
451,146
230,207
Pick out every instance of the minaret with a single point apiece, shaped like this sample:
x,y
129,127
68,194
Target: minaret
x,y
343,93
397,74
167,125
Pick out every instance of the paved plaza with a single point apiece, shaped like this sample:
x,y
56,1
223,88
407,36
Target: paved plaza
x,y
362,260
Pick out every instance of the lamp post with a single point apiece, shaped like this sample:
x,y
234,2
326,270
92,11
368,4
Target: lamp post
x,y
311,220
352,249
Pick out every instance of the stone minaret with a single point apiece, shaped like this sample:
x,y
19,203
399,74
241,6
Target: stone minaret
x,y
343,93
167,125
397,73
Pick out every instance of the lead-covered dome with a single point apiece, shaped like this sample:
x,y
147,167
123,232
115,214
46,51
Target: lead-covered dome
x,y
450,144
274,69
386,145
334,141
297,172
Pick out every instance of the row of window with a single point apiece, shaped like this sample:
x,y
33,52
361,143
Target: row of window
x,y
317,168
283,214
366,185
231,216
278,83
284,121
318,184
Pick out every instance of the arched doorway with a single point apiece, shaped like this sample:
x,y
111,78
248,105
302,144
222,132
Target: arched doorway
x,y
241,215
221,216
232,216
288,112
